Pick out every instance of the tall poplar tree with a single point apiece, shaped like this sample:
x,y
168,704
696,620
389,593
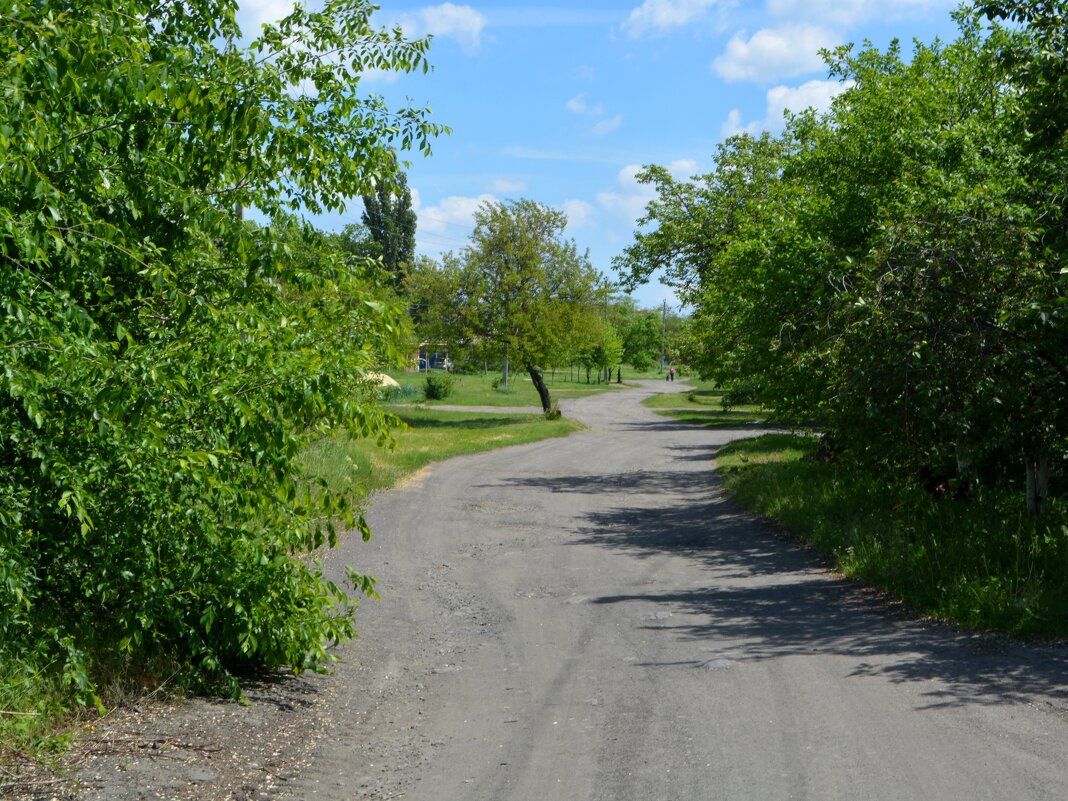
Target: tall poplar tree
x,y
388,216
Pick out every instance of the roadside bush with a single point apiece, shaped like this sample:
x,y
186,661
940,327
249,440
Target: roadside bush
x,y
164,363
438,386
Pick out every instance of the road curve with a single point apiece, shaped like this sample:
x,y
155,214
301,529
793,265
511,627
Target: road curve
x,y
588,618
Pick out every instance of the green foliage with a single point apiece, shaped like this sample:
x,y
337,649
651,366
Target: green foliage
x,y
521,286
164,364
432,291
390,222
980,563
602,349
642,341
892,270
437,386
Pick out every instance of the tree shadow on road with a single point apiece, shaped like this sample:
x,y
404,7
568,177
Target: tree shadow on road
x,y
766,597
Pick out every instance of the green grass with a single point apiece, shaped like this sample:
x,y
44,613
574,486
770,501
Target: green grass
x,y
32,707
980,563
478,390
430,435
704,407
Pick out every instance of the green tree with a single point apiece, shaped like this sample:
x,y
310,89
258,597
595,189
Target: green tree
x,y
602,349
164,364
642,340
432,289
521,280
890,270
390,221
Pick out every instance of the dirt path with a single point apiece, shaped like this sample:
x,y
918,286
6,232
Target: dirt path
x,y
587,618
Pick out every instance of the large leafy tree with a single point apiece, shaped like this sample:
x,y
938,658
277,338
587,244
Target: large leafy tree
x,y
521,284
163,364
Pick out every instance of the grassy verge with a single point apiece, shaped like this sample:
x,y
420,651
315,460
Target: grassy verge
x,y
981,563
32,706
705,407
431,436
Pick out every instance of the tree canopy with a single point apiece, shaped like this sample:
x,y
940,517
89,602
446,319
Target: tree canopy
x,y
892,270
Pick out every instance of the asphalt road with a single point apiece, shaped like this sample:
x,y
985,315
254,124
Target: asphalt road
x,y
588,618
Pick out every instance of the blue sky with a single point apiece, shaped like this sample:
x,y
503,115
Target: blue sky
x,y
562,103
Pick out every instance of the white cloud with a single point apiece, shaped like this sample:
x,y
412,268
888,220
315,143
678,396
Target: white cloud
x,y
579,213
255,13
812,94
447,225
682,168
662,15
606,126
578,105
505,187
774,52
733,126
463,24
629,197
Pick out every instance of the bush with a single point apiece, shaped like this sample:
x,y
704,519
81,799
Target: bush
x,y
164,363
403,393
438,386
498,386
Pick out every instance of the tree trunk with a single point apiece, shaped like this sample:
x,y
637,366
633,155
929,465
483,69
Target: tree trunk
x,y
1037,483
504,373
539,384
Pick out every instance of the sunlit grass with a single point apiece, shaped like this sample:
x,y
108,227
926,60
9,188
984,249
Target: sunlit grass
x,y
479,390
429,435
704,407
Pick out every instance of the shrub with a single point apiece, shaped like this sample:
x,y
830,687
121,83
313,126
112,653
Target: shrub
x,y
403,393
437,386
165,363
